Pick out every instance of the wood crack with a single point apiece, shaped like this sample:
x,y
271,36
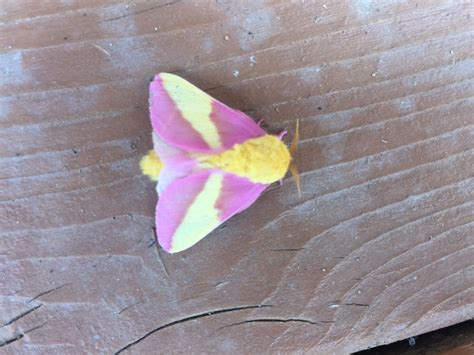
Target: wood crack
x,y
274,320
288,249
47,292
21,315
129,306
356,304
141,11
187,319
11,340
20,335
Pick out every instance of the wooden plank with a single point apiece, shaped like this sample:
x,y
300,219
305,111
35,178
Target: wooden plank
x,y
378,248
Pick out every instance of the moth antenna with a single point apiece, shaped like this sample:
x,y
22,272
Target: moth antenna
x,y
296,138
293,149
296,176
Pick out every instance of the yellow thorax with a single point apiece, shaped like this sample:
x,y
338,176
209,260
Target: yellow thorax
x,y
262,160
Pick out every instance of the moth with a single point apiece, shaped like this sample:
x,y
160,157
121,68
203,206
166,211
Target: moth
x,y
210,161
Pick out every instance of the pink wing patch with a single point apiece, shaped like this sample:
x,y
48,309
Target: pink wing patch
x,y
234,127
237,195
171,125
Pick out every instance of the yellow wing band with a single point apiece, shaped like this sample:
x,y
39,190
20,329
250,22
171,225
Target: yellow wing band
x,y
201,217
194,105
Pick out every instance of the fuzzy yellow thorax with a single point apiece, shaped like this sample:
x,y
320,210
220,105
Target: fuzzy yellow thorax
x,y
151,165
262,160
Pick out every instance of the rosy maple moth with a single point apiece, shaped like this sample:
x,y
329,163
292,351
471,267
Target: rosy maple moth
x,y
211,162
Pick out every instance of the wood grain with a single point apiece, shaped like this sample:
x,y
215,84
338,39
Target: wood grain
x,y
379,247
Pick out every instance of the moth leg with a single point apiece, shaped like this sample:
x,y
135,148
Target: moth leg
x,y
260,122
282,134
280,182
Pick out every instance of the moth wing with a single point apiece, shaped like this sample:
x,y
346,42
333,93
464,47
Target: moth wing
x,y
192,206
186,117
176,163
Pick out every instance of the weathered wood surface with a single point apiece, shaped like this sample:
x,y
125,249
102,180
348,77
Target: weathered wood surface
x,y
379,247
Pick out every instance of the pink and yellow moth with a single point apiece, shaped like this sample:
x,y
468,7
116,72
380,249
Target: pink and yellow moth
x,y
211,162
